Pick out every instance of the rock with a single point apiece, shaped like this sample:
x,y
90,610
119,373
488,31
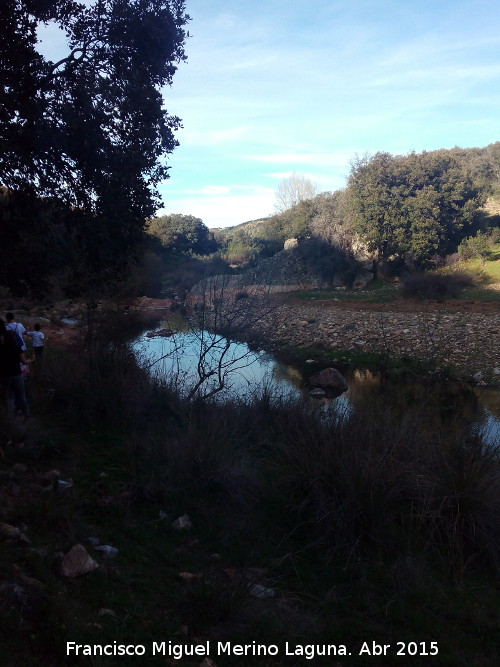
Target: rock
x,y
8,532
189,576
289,244
50,477
317,393
61,485
478,377
31,581
258,591
496,371
161,333
107,551
328,378
182,523
77,562
311,361
207,662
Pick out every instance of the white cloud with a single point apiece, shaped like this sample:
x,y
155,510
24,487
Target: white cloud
x,y
318,159
241,204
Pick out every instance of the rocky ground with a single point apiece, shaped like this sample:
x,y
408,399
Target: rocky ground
x,y
466,338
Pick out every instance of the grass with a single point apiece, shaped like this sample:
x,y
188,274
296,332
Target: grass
x,y
484,276
366,528
376,292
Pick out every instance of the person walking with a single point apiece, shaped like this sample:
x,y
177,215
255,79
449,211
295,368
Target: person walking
x,y
17,328
12,360
38,341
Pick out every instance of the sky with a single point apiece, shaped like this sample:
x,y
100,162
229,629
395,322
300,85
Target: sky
x,y
273,87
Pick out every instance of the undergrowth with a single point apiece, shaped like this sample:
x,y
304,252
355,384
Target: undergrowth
x,y
357,527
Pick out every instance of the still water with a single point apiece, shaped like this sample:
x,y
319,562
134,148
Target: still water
x,y
246,373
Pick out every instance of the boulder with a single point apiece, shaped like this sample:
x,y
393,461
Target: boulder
x,y
290,244
8,532
328,378
77,561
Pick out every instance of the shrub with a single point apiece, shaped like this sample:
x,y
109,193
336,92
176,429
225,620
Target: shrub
x,y
433,285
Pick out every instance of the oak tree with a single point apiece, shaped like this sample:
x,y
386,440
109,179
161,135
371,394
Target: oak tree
x,y
87,132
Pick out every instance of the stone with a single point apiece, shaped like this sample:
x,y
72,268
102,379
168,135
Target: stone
x,y
9,532
161,333
317,392
289,244
62,485
261,592
328,378
189,576
106,612
77,562
107,551
182,523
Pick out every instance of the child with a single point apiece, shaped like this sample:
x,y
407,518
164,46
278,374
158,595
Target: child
x,y
37,339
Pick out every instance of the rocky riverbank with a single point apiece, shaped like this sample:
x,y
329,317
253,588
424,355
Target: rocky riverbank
x,y
467,341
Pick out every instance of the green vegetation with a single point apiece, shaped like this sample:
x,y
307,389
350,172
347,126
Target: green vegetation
x,y
81,139
183,233
377,291
363,527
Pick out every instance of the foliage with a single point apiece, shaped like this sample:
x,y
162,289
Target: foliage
x,y
434,285
478,246
86,132
340,518
182,233
414,206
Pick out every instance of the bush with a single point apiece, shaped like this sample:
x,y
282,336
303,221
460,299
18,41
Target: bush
x,y
434,285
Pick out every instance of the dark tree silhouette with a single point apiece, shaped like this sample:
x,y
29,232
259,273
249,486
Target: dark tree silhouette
x,y
86,132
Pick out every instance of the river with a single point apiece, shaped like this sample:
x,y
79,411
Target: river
x,y
439,403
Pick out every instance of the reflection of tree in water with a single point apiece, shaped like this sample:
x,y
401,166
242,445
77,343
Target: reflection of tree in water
x,y
490,398
437,404
283,372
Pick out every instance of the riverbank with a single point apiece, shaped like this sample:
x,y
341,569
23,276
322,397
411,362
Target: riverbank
x,y
299,530
466,343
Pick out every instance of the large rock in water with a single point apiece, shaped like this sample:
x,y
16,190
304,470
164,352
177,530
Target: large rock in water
x,y
329,378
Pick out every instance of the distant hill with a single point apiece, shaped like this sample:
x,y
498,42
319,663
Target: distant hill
x,y
249,227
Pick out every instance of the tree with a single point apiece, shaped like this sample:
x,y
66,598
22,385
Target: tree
x,y
183,233
413,206
293,190
220,310
88,131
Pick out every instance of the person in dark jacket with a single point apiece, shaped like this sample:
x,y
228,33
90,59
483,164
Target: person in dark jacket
x,y
11,378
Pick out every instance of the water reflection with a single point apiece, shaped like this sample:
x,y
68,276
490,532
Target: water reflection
x,y
453,405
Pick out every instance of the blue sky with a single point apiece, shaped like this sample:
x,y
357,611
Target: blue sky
x,y
277,86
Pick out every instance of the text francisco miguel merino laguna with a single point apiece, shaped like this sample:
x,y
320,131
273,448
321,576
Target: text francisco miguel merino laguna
x,y
308,651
